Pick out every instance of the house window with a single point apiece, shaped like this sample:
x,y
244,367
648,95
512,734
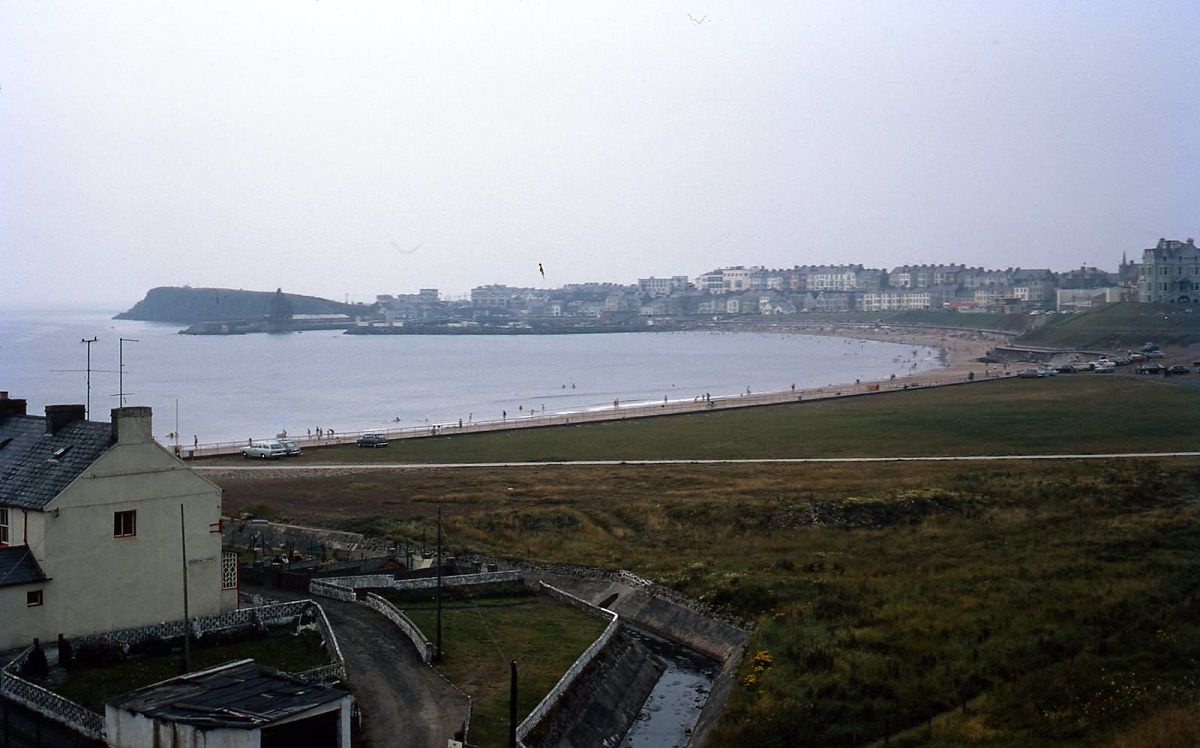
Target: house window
x,y
33,598
3,527
124,524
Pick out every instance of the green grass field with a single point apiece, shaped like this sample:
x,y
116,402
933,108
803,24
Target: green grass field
x,y
1081,413
483,629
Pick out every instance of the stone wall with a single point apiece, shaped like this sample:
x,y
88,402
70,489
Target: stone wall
x,y
564,683
395,615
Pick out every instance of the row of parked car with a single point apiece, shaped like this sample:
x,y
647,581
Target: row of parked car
x,y
271,449
1109,365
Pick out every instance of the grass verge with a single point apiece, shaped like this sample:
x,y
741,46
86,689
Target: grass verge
x,y
484,629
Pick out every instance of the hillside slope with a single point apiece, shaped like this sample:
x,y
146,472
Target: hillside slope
x,y
1119,325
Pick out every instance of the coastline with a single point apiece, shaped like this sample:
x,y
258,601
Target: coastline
x,y
958,352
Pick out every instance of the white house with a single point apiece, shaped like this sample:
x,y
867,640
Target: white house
x,y
93,521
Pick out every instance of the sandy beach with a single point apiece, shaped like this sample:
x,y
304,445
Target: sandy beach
x,y
959,352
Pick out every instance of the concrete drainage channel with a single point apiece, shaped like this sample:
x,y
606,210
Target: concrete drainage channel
x,y
669,714
667,678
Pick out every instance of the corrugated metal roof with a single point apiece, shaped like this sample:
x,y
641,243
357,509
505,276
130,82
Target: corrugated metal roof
x,y
239,695
18,566
36,466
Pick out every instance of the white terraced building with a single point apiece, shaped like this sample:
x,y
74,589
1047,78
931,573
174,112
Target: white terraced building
x,y
1170,273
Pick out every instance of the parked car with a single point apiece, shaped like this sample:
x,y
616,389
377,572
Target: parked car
x,y
1177,369
1030,374
1067,369
1150,369
269,450
292,448
1155,354
1107,368
373,440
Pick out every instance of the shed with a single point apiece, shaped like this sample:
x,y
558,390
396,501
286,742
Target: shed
x,y
240,704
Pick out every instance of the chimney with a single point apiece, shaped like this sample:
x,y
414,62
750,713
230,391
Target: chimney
x,y
10,406
58,416
131,425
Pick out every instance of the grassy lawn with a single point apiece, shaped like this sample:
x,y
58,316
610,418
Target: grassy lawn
x,y
484,629
91,686
1081,413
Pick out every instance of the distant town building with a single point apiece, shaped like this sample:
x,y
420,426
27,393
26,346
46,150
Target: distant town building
x,y
897,299
662,286
923,276
1079,299
1170,273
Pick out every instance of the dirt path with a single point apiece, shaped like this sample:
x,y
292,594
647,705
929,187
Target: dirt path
x,y
405,703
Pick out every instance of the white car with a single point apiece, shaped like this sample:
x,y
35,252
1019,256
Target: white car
x,y
264,450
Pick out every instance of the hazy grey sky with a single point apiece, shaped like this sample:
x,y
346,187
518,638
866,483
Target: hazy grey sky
x,y
340,148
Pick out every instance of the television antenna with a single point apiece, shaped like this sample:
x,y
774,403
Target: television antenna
x,y
121,375
87,413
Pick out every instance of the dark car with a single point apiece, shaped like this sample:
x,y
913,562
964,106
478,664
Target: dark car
x,y
1177,369
1150,369
373,440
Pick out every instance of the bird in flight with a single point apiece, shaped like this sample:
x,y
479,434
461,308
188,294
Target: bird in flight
x,y
405,251
542,270
699,20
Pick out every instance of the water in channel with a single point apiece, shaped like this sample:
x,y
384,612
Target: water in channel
x,y
671,710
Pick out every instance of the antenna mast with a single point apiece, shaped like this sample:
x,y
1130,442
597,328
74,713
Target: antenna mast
x,y
121,369
89,341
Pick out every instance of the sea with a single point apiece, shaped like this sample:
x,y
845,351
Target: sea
x,y
230,388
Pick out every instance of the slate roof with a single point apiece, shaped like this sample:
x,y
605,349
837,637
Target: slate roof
x,y
30,474
18,566
242,694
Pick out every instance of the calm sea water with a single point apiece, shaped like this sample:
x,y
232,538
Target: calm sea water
x,y
233,387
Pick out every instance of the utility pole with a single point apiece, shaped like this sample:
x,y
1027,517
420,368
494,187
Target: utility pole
x,y
187,621
121,368
89,341
439,585
512,704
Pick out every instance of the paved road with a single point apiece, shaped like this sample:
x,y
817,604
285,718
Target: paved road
x,y
760,461
405,703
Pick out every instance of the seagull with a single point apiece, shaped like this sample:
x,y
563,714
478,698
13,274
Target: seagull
x,y
405,251
699,20
542,270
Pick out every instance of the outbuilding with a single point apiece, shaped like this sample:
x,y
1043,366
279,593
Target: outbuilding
x,y
240,704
